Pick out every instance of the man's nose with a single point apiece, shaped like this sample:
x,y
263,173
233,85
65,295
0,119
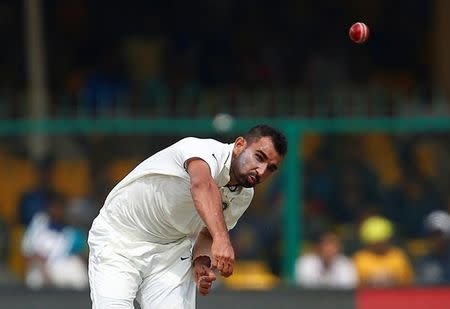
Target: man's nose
x,y
261,169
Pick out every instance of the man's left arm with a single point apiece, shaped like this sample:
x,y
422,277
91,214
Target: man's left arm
x,y
201,262
202,245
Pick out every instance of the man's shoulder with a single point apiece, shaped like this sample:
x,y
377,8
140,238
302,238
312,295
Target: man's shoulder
x,y
187,145
201,141
214,149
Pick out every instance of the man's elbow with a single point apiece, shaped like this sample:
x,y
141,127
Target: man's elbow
x,y
200,184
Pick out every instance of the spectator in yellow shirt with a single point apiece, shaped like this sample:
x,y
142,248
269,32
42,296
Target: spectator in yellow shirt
x,y
379,263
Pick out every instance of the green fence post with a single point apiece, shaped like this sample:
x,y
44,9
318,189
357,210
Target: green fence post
x,y
292,202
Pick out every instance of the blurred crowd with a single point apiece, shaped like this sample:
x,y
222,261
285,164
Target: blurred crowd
x,y
250,58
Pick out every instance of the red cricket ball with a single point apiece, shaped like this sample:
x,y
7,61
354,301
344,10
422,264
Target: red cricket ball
x,y
359,32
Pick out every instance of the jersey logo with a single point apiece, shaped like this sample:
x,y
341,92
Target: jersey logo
x,y
224,205
184,258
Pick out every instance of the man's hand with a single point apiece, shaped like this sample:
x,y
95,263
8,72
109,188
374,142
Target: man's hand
x,y
203,274
222,256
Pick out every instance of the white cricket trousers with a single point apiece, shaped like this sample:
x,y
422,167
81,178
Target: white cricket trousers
x,y
158,276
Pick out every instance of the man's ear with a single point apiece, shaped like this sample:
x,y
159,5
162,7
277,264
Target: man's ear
x,y
240,141
239,144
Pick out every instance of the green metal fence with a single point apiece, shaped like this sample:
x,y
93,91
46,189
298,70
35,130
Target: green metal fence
x,y
292,167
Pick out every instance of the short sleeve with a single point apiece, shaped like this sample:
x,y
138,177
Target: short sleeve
x,y
190,148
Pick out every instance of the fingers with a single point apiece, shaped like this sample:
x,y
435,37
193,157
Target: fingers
x,y
205,283
220,265
204,290
227,270
224,267
211,276
214,262
208,278
222,256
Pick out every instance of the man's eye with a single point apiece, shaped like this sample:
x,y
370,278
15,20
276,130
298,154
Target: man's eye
x,y
259,158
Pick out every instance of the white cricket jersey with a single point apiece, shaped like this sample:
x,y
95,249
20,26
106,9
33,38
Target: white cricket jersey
x,y
154,202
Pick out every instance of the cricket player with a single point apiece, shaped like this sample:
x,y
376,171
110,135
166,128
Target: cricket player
x,y
163,230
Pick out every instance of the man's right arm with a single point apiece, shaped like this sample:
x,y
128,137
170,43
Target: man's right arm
x,y
208,203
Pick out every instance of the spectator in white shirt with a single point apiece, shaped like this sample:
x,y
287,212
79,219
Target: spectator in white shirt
x,y
327,267
54,250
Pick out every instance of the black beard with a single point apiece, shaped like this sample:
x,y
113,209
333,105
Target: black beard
x,y
246,185
243,182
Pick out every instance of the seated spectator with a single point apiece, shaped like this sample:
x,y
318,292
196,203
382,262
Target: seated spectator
x,y
434,268
379,263
327,267
36,199
53,250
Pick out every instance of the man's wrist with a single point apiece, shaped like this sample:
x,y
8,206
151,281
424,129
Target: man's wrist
x,y
221,238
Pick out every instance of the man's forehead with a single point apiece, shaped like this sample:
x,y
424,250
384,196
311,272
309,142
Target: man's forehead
x,y
265,144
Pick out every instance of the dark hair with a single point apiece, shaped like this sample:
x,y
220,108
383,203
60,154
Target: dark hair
x,y
278,139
